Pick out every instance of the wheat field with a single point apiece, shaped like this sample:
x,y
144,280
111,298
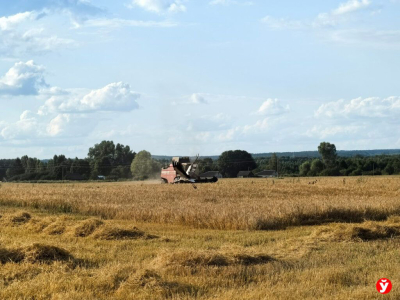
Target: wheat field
x,y
253,204
304,238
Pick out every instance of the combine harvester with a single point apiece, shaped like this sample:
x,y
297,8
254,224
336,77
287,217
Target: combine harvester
x,y
181,170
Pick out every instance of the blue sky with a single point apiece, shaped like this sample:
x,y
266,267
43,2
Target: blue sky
x,y
181,77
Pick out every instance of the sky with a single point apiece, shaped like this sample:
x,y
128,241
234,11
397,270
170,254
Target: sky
x,y
182,77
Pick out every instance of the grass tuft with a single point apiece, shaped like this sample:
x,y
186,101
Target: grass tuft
x,y
366,231
114,233
86,228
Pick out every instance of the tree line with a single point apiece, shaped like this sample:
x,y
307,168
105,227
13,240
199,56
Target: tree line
x,y
104,161
118,162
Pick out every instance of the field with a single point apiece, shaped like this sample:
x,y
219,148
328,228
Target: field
x,y
307,238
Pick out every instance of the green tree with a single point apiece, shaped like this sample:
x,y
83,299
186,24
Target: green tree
x,y
328,153
15,169
142,166
230,163
206,165
273,162
316,167
305,168
104,149
80,166
102,166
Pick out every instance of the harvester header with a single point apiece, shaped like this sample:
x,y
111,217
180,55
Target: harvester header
x,y
182,170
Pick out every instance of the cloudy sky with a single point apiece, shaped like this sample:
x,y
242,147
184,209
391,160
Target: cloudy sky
x,y
180,77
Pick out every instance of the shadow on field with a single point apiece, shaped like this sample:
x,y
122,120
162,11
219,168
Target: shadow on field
x,y
367,231
333,215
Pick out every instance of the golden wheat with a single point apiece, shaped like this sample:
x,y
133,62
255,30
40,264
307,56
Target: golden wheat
x,y
174,242
229,204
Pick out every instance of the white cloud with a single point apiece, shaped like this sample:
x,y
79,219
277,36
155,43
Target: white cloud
x,y
197,99
22,33
113,97
64,125
23,79
323,132
160,6
10,22
272,107
372,107
260,125
25,128
228,135
336,26
372,38
351,6
116,23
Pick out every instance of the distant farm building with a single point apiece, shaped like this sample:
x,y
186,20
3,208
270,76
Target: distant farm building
x,y
267,174
245,174
210,175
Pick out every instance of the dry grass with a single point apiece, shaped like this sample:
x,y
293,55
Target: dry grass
x,y
210,258
364,232
52,246
258,204
113,233
86,228
35,253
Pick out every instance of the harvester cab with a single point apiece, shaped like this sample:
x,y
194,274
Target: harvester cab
x,y
183,170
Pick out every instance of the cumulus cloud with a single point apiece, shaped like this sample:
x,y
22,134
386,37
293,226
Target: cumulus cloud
x,y
351,6
26,127
78,10
20,33
23,79
113,97
160,6
372,107
31,126
10,22
272,107
70,125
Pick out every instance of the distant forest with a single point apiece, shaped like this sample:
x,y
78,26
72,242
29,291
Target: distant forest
x,y
109,161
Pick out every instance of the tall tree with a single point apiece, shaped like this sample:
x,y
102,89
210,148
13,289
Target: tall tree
x,y
316,167
273,162
142,166
305,168
328,153
102,166
230,163
15,169
104,149
80,166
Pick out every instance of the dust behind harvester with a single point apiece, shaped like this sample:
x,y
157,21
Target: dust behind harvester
x,y
182,170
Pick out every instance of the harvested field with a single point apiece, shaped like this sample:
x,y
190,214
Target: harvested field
x,y
136,241
257,204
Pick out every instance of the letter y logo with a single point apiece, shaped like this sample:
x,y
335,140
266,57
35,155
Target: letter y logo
x,y
384,286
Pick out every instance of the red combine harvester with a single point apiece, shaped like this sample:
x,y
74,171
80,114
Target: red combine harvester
x,y
181,170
